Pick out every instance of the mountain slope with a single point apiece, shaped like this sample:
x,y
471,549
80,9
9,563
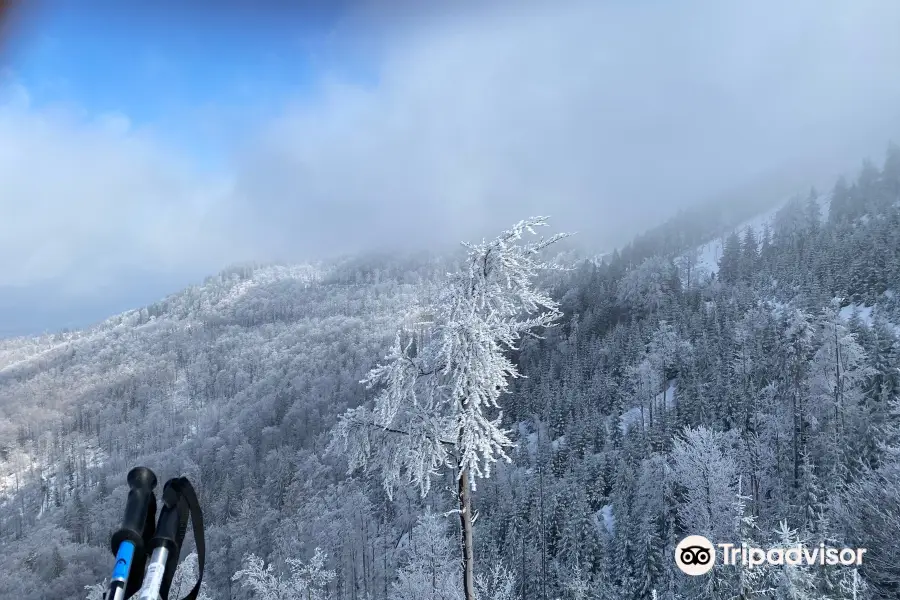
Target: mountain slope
x,y
236,383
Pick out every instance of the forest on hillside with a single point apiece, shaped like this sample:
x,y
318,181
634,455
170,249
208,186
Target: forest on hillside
x,y
756,401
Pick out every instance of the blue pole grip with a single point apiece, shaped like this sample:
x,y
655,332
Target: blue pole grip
x,y
123,562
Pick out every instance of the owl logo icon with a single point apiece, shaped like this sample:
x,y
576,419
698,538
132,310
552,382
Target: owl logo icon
x,y
695,555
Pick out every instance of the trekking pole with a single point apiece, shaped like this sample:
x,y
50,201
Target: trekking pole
x,y
129,543
179,502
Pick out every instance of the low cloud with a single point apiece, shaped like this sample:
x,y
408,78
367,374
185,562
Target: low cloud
x,y
608,116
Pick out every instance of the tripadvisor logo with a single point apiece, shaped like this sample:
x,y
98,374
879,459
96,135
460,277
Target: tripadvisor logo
x,y
696,555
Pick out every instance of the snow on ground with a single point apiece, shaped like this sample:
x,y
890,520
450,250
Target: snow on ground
x,y
530,439
670,395
632,416
865,313
708,255
604,520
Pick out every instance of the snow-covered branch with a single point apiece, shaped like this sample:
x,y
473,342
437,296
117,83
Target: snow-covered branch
x,y
438,395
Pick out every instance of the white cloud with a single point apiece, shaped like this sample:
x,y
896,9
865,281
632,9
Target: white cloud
x,y
605,115
86,199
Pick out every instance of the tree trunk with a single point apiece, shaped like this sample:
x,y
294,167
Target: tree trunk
x,y
465,519
795,442
524,573
543,530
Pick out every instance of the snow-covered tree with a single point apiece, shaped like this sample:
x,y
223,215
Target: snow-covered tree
x,y
307,581
648,286
706,473
751,582
794,581
665,352
437,403
889,432
497,584
97,591
839,368
430,571
870,509
704,468
799,333
646,380
577,584
852,586
185,578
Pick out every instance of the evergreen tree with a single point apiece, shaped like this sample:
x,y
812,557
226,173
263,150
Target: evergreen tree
x,y
730,263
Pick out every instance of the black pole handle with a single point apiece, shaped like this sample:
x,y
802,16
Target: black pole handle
x,y
138,523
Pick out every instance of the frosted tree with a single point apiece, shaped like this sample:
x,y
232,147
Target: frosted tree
x,y
688,268
578,584
794,582
839,370
307,581
429,572
497,584
97,591
870,509
185,578
665,352
750,582
707,475
438,389
648,286
889,433
703,468
647,381
799,335
852,586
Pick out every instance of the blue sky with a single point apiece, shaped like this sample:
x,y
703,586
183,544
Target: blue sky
x,y
182,69
200,77
143,150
